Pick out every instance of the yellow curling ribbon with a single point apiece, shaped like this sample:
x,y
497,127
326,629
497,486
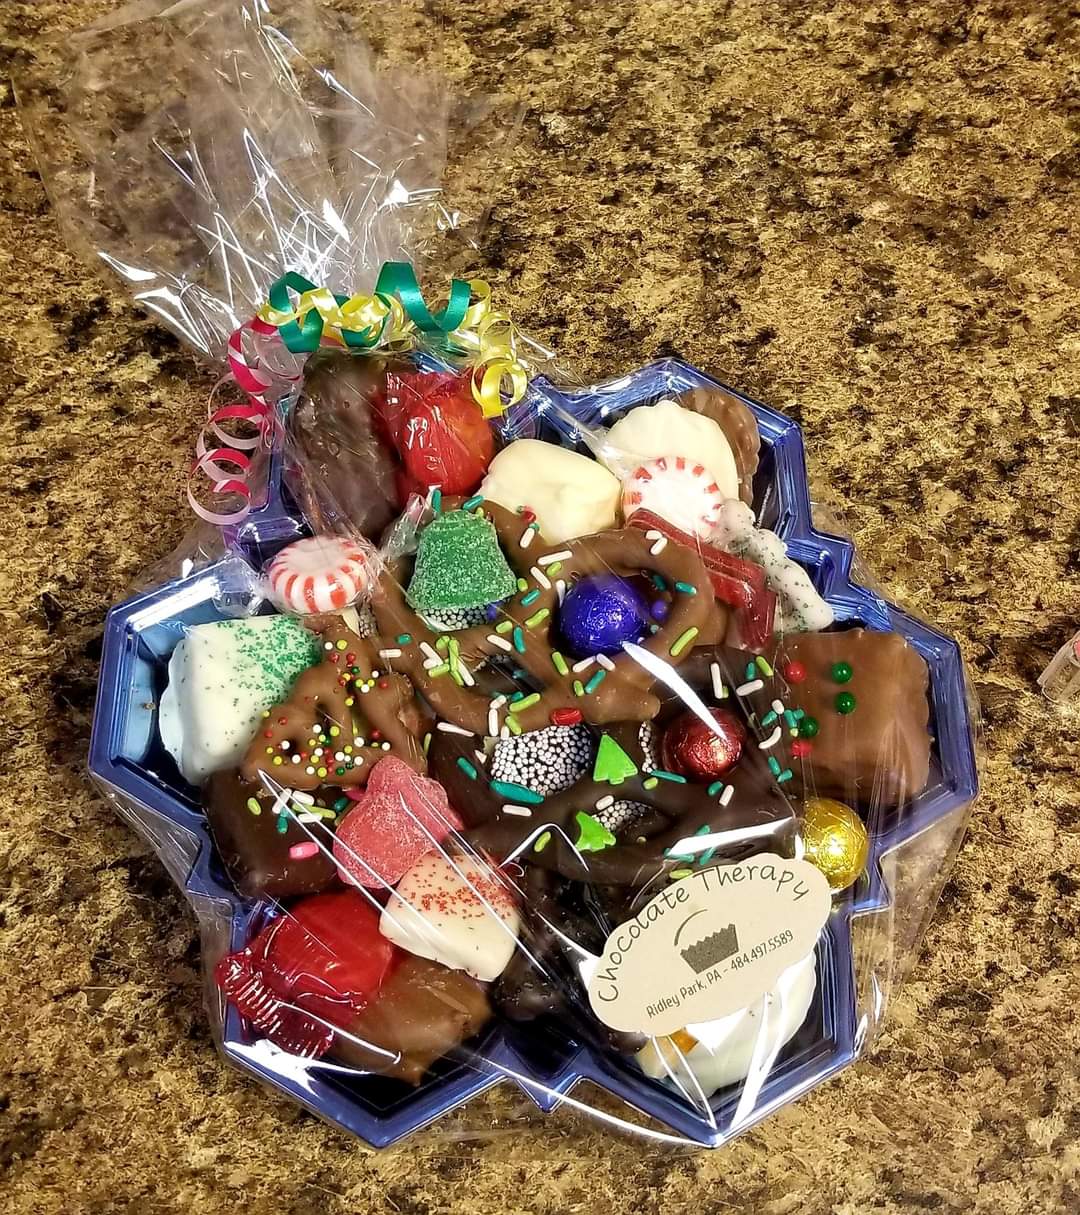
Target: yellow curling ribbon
x,y
485,337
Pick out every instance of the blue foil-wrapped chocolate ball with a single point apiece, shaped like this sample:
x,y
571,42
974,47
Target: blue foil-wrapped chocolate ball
x,y
599,613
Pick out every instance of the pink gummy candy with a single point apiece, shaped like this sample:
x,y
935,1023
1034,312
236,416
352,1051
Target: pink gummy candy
x,y
400,817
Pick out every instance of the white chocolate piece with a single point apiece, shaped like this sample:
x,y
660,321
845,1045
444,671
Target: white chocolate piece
x,y
570,494
222,677
724,1050
667,429
801,609
454,911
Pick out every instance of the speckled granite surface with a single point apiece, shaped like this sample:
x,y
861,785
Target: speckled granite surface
x,y
866,214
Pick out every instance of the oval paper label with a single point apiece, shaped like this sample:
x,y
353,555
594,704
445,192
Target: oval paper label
x,y
709,944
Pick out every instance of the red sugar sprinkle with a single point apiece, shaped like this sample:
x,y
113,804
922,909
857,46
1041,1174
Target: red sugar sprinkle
x,y
350,659
268,733
383,683
801,748
566,717
335,657
376,734
282,721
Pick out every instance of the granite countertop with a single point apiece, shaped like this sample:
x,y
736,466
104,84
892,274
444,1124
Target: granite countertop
x,y
864,214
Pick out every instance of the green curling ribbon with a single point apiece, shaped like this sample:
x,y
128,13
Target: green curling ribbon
x,y
299,337
301,329
399,278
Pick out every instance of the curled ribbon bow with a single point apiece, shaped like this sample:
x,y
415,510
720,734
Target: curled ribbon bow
x,y
394,317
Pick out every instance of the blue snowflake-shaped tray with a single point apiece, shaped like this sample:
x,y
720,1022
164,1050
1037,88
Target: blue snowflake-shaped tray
x,y
546,1061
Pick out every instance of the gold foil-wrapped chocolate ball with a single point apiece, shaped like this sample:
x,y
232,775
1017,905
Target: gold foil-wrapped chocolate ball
x,y
835,840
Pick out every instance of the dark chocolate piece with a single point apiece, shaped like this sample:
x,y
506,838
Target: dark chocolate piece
x,y
740,429
255,854
423,1010
678,809
344,469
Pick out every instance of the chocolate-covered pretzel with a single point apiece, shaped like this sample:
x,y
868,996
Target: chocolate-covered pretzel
x,y
525,631
340,719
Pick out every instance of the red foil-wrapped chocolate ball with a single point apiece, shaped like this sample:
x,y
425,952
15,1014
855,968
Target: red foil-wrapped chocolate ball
x,y
691,749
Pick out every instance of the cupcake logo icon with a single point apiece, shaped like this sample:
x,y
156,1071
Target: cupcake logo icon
x,y
710,951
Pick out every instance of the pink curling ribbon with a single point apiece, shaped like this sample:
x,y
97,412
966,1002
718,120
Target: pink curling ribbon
x,y
223,458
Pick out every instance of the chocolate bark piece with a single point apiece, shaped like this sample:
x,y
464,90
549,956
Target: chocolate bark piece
x,y
255,854
876,753
739,425
756,814
422,1011
343,468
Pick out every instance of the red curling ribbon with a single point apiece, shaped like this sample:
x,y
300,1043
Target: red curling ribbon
x,y
222,457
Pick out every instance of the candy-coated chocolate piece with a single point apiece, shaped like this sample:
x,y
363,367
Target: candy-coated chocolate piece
x,y
599,613
344,474
312,968
841,672
398,818
321,574
753,817
794,672
459,565
835,840
845,703
456,911
691,748
667,429
257,854
423,1010
877,754
222,677
614,689
677,489
439,430
569,494
340,719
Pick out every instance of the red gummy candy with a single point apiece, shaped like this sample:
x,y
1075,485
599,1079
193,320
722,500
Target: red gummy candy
x,y
400,818
439,430
313,968
735,581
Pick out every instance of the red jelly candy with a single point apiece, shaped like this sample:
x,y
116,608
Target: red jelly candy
x,y
311,969
439,431
400,818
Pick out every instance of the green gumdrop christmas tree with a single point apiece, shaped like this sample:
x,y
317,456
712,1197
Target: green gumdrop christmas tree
x,y
459,565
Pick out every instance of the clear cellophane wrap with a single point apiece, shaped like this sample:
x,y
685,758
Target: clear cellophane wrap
x,y
503,731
